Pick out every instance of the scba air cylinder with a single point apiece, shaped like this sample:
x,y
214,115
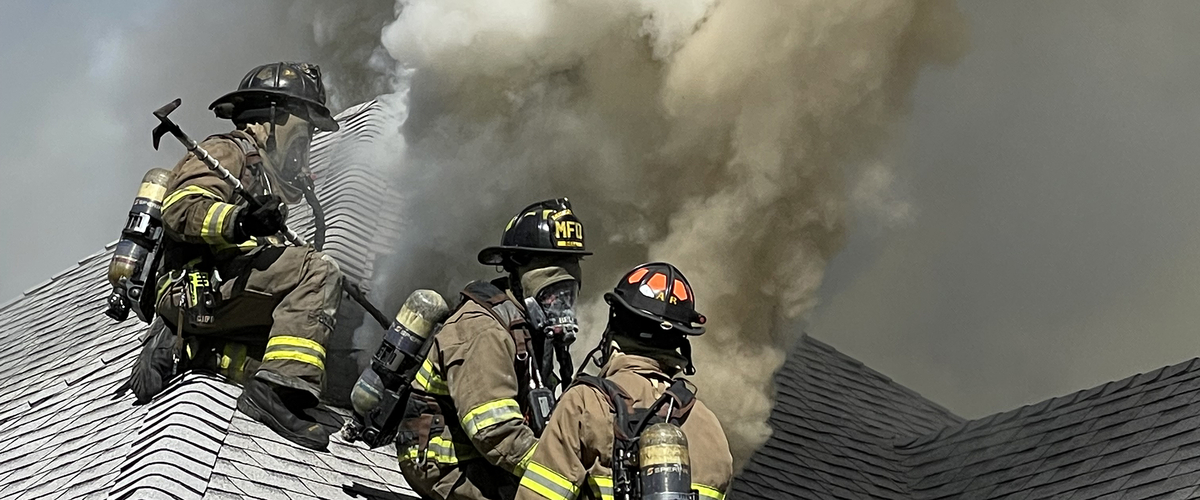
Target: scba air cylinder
x,y
401,348
145,215
665,468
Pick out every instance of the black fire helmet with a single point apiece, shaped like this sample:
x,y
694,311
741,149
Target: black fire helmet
x,y
660,293
293,87
546,227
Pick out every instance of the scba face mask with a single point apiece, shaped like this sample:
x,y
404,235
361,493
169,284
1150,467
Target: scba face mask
x,y
288,155
551,306
557,304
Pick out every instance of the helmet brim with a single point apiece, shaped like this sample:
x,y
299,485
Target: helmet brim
x,y
318,114
494,256
615,300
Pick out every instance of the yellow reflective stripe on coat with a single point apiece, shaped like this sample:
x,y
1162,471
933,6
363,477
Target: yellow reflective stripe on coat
x,y
519,470
706,492
442,451
491,413
212,231
429,381
186,191
286,347
548,483
602,487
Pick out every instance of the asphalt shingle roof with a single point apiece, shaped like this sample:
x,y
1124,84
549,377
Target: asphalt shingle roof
x,y
834,424
1135,438
63,435
841,430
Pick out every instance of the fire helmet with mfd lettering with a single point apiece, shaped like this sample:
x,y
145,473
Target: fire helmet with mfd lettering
x,y
545,228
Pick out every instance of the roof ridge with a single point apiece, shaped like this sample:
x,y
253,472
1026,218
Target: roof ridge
x,y
42,285
871,371
170,424
1030,410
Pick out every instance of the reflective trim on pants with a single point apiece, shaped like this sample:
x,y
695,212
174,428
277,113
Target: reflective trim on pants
x,y
491,413
429,381
284,347
244,246
548,483
442,451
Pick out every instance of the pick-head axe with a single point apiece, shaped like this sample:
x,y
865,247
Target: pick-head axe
x,y
166,125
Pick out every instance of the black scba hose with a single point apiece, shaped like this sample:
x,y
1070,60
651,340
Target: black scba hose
x,y
318,243
310,196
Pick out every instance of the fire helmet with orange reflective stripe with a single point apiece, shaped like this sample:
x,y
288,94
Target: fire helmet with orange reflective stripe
x,y
658,292
544,228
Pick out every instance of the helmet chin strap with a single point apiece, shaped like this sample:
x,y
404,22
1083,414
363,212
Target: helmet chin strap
x,y
271,143
600,354
685,349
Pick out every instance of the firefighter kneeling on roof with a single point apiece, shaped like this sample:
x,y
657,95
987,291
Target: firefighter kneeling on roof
x,y
670,446
227,280
473,417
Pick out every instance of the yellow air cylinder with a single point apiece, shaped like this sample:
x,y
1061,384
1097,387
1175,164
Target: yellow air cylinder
x,y
135,241
401,348
665,467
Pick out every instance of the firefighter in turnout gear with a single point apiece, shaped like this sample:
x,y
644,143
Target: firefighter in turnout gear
x,y
246,304
472,420
651,315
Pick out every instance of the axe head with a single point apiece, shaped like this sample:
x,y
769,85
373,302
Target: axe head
x,y
162,112
166,124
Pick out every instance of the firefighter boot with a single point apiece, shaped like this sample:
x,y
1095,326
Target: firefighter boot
x,y
282,410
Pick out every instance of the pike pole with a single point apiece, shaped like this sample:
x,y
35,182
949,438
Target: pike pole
x,y
167,125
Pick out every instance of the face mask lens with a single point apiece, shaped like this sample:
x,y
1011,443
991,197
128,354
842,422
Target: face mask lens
x,y
296,159
558,304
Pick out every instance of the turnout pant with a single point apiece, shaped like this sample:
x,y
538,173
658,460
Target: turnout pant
x,y
278,300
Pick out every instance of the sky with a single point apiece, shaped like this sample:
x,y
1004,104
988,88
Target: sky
x,y
1050,240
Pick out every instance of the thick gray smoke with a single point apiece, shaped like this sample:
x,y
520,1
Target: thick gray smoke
x,y
714,135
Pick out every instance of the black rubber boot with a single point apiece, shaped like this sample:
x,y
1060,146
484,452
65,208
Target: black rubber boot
x,y
284,415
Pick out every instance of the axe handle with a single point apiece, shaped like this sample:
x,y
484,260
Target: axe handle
x,y
215,165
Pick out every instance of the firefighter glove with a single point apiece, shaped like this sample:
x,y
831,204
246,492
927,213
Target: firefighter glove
x,y
264,220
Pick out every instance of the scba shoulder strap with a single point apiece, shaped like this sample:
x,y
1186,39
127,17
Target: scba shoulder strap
x,y
504,309
674,405
253,161
246,143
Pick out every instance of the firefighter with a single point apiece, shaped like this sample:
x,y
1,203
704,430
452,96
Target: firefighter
x,y
466,432
227,280
645,346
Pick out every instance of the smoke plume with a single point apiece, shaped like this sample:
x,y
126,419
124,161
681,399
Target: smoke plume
x,y
713,135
